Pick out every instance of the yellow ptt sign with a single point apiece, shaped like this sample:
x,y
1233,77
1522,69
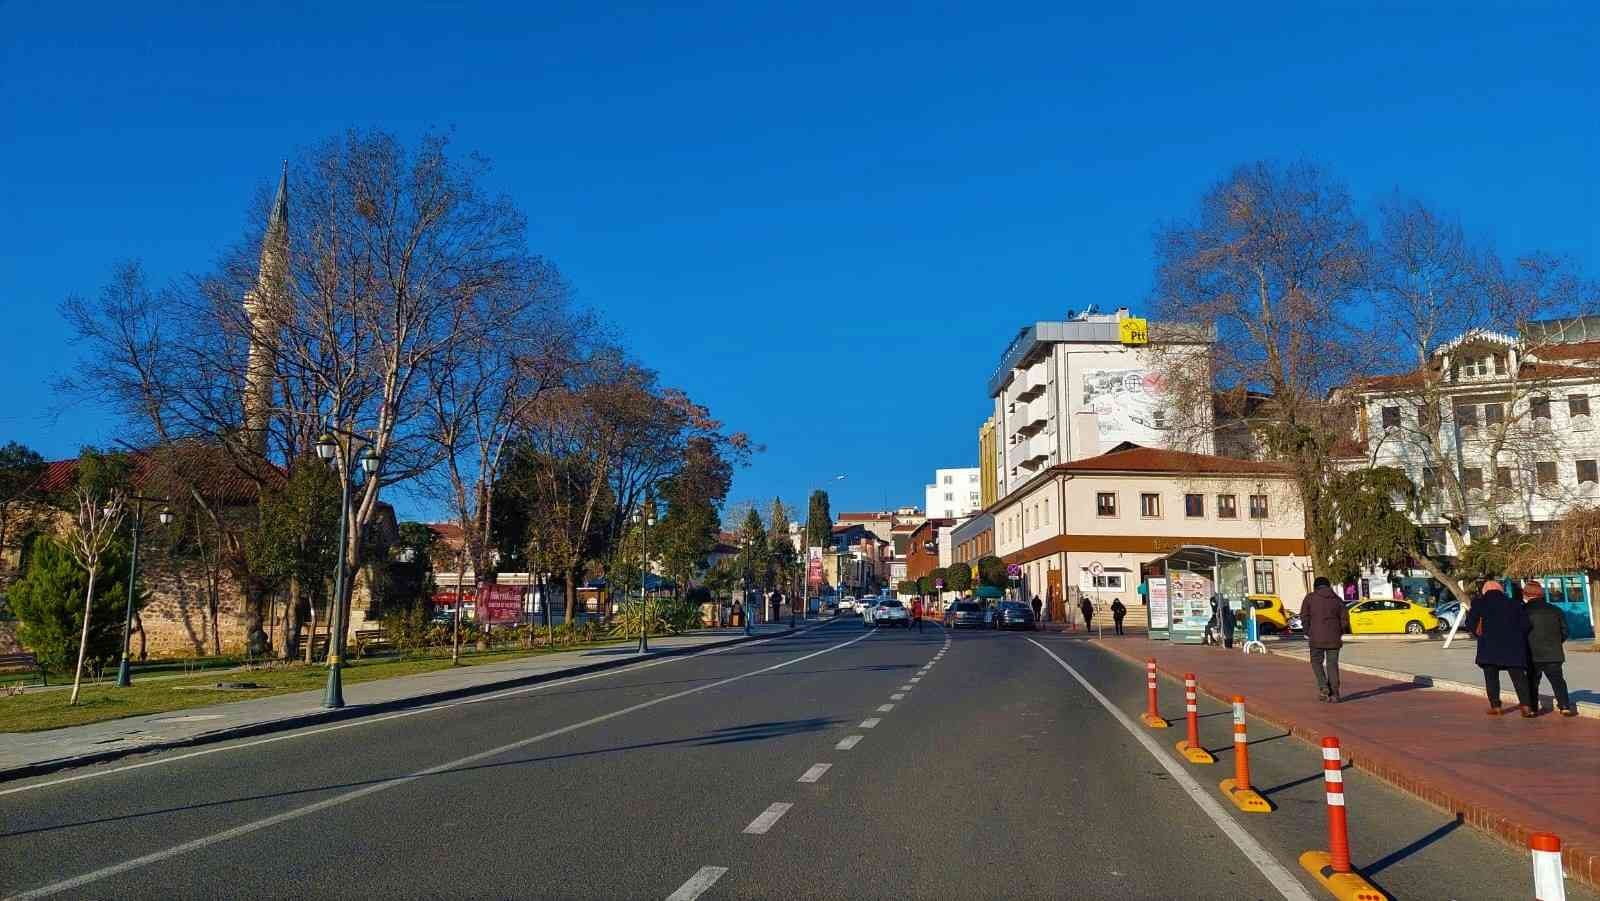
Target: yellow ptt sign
x,y
1134,331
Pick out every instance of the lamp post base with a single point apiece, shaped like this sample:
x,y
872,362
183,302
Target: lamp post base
x,y
124,678
333,698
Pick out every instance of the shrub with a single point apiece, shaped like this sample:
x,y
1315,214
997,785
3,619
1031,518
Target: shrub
x,y
48,603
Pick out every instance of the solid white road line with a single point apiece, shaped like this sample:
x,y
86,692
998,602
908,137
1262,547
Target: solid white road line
x,y
815,773
885,708
704,878
1275,872
288,815
897,696
848,742
869,723
384,717
761,824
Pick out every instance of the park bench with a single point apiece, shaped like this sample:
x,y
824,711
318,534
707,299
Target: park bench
x,y
23,661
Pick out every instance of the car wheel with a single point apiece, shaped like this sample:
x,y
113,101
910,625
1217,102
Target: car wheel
x,y
1414,628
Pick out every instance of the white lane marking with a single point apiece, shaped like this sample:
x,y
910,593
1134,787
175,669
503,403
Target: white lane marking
x,y
761,824
870,723
848,742
383,717
897,696
815,773
1275,873
915,679
704,878
247,828
885,708
906,687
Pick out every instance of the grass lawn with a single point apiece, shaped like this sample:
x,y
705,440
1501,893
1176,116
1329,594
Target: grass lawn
x,y
37,709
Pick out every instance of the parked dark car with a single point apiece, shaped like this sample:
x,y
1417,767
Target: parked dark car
x,y
1013,615
966,613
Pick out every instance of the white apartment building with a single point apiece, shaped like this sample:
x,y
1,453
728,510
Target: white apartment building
x,y
1069,390
1524,401
954,494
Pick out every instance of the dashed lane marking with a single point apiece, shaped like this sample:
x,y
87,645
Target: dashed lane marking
x,y
848,742
897,696
704,878
815,773
885,708
870,723
772,814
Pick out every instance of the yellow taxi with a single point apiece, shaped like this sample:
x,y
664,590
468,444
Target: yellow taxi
x,y
1376,617
1270,615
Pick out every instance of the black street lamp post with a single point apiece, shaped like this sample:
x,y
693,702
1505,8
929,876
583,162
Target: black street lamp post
x,y
644,521
368,463
124,677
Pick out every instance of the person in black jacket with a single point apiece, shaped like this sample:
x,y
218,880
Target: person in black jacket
x,y
1118,611
1547,629
1501,625
1325,619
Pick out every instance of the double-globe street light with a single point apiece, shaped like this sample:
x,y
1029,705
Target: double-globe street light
x,y
645,522
124,677
369,463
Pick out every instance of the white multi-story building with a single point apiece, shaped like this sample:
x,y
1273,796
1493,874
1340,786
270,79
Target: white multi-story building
x,y
1073,389
954,494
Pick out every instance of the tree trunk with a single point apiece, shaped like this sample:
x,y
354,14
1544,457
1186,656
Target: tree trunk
x,y
572,594
257,642
138,623
291,621
311,631
83,640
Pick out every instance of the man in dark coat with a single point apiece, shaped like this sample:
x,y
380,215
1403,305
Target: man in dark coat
x,y
1547,629
1501,625
1038,609
1225,621
1118,611
1325,618
1087,606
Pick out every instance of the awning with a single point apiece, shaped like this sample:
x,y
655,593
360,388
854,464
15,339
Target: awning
x,y
1198,556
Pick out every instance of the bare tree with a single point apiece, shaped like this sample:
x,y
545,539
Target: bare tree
x,y
92,531
1273,261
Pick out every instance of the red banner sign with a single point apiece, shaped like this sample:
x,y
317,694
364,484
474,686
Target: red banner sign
x,y
500,603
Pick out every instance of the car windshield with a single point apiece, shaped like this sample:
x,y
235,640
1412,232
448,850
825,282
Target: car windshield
x,y
966,607
888,603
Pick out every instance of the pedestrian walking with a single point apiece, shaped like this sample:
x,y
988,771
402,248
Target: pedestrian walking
x,y
1501,625
1088,613
1225,622
1547,629
1325,619
1118,611
916,612
1038,608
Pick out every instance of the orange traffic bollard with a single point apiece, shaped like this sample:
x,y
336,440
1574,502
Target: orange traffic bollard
x,y
1238,788
1549,882
1332,867
1152,717
1190,747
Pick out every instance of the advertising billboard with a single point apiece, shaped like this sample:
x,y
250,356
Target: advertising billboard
x,y
814,566
1129,405
500,603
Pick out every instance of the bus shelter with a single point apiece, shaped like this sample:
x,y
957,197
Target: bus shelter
x,y
1180,597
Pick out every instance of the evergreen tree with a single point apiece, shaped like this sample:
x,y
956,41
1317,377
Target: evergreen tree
x,y
819,521
781,551
755,555
48,603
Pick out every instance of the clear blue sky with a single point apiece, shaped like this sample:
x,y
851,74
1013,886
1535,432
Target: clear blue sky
x,y
825,224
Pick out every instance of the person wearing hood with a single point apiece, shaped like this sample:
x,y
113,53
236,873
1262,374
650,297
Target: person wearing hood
x,y
1325,619
1501,626
1547,629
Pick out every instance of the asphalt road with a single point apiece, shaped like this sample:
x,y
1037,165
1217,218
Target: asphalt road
x,y
995,774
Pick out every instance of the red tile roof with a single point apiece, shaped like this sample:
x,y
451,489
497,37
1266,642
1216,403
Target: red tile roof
x,y
1150,459
1581,350
222,478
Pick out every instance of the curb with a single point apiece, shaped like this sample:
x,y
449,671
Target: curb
x,y
1585,708
1580,862
354,711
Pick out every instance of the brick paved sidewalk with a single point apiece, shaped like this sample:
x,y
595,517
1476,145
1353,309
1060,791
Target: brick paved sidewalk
x,y
1506,775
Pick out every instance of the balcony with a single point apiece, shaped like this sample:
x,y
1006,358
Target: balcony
x,y
1032,381
1041,446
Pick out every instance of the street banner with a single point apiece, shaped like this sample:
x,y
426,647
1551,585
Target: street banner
x,y
814,566
500,603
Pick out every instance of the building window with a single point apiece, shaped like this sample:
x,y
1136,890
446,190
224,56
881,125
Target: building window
x,y
1149,505
1502,477
1102,582
1494,414
1430,477
1473,476
1258,506
1391,417
1438,541
1227,506
1545,472
948,496
1578,410
1194,505
972,478
1588,472
1105,504
1046,511
1266,578
1539,408
1467,417
949,480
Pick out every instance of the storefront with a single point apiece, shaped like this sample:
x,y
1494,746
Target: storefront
x,y
1189,578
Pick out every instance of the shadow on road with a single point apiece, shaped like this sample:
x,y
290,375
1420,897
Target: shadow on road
x,y
749,732
1314,777
1394,857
